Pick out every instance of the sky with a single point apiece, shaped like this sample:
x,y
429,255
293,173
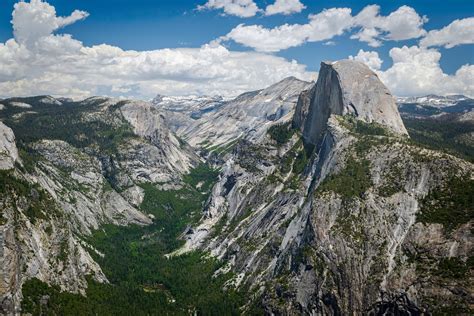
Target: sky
x,y
140,48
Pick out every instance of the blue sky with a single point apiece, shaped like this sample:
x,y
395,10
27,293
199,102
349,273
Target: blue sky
x,y
148,25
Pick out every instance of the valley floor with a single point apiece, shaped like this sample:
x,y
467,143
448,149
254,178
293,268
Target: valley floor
x,y
144,280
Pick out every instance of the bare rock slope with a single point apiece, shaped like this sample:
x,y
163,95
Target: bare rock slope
x,y
247,116
347,87
328,218
83,171
8,150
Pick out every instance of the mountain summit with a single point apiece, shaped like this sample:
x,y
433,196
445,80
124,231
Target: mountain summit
x,y
347,87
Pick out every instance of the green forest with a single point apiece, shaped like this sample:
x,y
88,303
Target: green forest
x,y
443,134
143,281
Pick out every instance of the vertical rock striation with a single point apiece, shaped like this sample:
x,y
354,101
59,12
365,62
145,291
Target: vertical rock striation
x,y
330,225
8,150
346,87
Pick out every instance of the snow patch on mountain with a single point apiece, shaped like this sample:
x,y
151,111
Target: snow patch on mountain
x,y
433,100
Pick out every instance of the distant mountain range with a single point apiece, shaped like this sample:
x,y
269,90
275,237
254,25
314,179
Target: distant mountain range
x,y
433,105
434,100
195,107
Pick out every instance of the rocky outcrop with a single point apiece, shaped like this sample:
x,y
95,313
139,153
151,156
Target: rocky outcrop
x,y
247,116
302,108
167,156
75,182
327,223
347,87
321,249
8,150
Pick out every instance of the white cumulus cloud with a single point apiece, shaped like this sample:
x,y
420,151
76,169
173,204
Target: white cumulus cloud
x,y
48,63
322,26
370,58
456,33
37,19
416,71
402,24
284,7
371,27
240,8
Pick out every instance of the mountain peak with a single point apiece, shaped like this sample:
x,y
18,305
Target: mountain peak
x,y
347,87
287,81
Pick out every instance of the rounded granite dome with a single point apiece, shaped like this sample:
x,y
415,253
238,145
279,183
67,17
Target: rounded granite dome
x,y
349,87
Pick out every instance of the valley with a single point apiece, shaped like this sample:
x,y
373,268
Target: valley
x,y
301,198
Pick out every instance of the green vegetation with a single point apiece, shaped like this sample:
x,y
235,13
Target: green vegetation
x,y
38,204
28,156
450,205
393,181
67,123
124,299
352,181
300,162
373,129
442,134
281,133
9,184
172,210
202,173
454,268
363,128
143,280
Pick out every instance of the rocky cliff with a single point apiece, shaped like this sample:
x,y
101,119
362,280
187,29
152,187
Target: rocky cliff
x,y
328,218
323,205
8,150
80,166
247,116
346,87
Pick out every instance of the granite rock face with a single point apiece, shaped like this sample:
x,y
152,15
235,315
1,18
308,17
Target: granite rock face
x,y
75,186
333,228
247,116
8,150
347,87
315,249
161,157
302,108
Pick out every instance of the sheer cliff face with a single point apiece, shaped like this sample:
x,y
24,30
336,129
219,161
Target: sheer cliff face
x,y
328,220
347,87
89,164
8,150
